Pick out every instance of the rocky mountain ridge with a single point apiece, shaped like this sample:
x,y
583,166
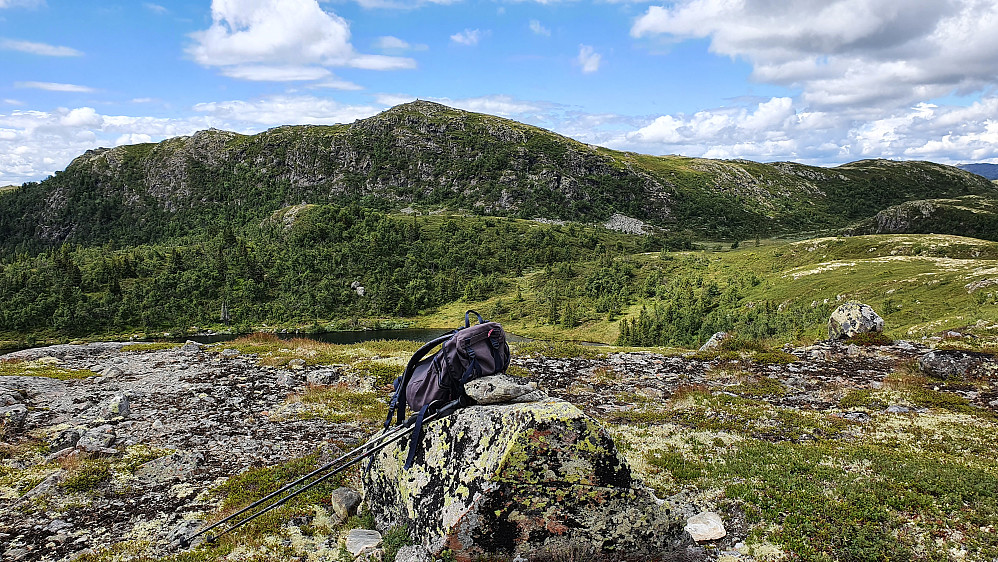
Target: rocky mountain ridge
x,y
430,156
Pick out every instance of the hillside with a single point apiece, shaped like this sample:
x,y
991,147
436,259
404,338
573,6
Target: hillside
x,y
429,156
989,171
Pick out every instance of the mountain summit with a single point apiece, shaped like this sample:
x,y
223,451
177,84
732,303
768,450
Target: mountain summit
x,y
426,155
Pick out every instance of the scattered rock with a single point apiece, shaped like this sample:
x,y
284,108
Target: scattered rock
x,y
361,540
97,439
958,364
706,526
500,389
118,407
66,439
413,553
12,418
715,341
853,318
178,466
323,376
344,502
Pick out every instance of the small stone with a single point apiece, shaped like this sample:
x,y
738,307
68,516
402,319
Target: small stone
x,y
705,526
66,439
323,377
413,553
359,540
345,502
499,389
715,341
12,418
96,439
119,406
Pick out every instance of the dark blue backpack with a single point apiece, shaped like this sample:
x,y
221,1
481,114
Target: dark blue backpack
x,y
427,382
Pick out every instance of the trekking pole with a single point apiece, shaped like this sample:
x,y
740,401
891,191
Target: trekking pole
x,y
184,543
442,412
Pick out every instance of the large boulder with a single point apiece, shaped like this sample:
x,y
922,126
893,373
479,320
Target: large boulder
x,y
853,318
958,364
532,479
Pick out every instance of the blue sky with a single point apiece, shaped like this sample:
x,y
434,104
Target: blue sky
x,y
815,81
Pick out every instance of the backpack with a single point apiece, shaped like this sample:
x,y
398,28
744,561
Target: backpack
x,y
429,382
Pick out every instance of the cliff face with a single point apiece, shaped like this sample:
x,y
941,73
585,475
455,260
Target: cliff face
x,y
426,154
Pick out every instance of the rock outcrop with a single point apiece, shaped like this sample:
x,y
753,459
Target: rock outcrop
x,y
537,478
853,318
958,364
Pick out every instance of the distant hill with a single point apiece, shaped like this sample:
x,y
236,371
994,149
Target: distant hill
x,y
429,156
973,216
989,171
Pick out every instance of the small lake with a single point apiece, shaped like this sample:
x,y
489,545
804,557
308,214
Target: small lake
x,y
358,336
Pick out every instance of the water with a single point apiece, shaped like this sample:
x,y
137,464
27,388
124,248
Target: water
x,y
359,336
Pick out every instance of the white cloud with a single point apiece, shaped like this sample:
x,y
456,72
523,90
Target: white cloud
x,y
468,37
21,3
54,87
268,34
285,110
538,29
39,48
866,56
276,73
588,59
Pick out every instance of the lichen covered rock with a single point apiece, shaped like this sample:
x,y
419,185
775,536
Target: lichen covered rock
x,y
959,364
520,479
853,318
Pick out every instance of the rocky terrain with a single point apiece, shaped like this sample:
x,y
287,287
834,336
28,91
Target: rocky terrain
x,y
117,457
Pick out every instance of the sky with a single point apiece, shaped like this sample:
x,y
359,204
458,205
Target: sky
x,y
821,82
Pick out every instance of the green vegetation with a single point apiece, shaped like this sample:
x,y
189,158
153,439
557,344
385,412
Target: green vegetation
x,y
41,368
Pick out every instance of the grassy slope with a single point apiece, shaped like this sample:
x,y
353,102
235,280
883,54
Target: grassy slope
x,y
917,282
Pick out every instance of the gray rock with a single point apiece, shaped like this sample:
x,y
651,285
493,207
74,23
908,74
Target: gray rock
x,y
10,397
706,526
853,318
66,439
957,364
413,553
345,502
97,439
500,389
178,466
323,377
513,479
12,418
715,341
118,407
360,540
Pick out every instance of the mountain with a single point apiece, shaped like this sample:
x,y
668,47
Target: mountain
x,y
430,156
972,216
989,171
